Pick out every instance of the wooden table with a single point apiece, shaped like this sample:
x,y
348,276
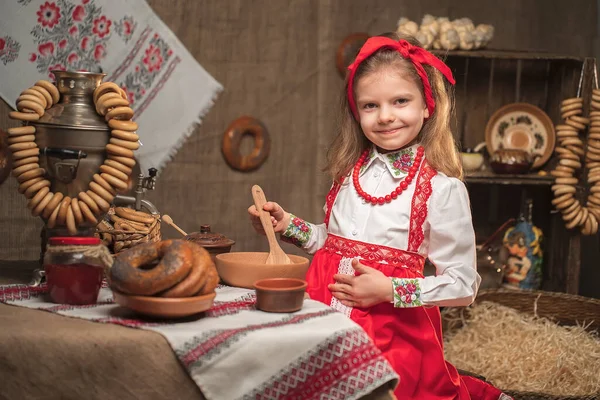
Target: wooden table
x,y
49,356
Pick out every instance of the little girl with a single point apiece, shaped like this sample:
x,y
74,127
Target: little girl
x,y
396,200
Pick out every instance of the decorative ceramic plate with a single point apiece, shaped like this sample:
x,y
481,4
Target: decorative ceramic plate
x,y
348,49
521,126
165,307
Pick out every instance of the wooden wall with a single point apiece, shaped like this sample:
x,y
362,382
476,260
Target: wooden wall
x,y
275,59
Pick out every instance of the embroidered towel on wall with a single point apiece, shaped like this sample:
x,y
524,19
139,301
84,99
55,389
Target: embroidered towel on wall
x,y
167,88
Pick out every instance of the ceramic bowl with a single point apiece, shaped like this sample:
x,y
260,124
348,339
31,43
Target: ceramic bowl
x,y
165,307
471,161
280,295
242,269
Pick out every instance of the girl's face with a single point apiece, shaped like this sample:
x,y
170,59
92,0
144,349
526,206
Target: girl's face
x,y
391,109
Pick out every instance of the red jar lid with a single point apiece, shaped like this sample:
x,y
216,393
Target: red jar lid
x,y
73,240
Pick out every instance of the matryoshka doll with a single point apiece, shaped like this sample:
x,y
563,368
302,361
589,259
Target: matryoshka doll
x,y
523,269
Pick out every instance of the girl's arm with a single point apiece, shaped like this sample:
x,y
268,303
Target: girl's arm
x,y
451,250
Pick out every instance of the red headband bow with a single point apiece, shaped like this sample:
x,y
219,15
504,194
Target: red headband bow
x,y
417,55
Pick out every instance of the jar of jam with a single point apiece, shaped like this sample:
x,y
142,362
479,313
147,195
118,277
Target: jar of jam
x,y
74,269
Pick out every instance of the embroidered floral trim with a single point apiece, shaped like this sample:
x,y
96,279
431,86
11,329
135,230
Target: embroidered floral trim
x,y
70,36
367,251
298,232
407,292
155,57
333,192
367,161
9,49
401,161
419,206
125,28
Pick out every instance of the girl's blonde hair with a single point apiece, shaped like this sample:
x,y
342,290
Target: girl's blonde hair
x,y
436,136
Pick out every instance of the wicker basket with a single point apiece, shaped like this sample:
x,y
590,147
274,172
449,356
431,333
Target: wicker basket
x,y
118,240
565,309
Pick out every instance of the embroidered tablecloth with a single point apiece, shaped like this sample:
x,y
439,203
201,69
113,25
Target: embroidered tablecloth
x,y
315,353
167,88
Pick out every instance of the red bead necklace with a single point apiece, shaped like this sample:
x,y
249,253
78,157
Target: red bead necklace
x,y
401,187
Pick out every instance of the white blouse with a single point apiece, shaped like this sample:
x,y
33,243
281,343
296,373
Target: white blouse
x,y
449,242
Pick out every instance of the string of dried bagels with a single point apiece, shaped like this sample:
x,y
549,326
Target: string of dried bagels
x,y
571,153
60,210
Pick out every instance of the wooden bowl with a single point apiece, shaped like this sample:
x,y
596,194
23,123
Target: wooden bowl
x,y
280,295
242,269
165,307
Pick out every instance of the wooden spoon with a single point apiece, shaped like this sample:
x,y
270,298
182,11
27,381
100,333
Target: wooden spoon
x,y
169,221
276,254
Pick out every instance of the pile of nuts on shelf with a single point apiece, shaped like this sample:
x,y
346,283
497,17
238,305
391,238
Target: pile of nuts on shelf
x,y
441,33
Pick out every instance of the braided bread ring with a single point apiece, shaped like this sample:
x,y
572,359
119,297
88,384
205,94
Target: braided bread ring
x,y
118,166
35,200
46,94
70,222
126,144
100,191
24,168
124,135
100,181
20,139
83,196
119,113
50,88
24,161
104,88
133,215
25,176
105,106
62,211
118,150
114,172
21,130
128,126
26,105
52,219
117,183
87,213
22,146
40,207
76,211
54,202
38,95
100,202
25,153
128,161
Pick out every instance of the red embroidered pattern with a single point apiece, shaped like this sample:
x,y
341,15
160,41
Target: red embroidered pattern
x,y
419,207
343,366
351,248
333,192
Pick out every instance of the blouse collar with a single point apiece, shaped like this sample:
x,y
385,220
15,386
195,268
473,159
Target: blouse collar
x,y
398,163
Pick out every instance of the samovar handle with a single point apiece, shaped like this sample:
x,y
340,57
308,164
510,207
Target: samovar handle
x,y
64,172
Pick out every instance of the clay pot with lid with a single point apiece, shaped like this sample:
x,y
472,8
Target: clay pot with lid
x,y
512,161
214,243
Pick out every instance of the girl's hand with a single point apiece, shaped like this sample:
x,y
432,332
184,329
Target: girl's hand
x,y
369,288
279,217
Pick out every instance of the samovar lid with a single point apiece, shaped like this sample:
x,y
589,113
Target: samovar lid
x,y
75,108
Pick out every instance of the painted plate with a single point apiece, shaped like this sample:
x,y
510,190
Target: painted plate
x,y
521,126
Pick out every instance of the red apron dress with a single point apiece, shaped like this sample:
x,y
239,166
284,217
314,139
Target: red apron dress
x,y
410,338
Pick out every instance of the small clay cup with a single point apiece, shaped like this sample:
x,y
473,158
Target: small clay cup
x,y
280,295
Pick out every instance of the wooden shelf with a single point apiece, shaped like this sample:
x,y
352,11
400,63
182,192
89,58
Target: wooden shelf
x,y
506,54
490,178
